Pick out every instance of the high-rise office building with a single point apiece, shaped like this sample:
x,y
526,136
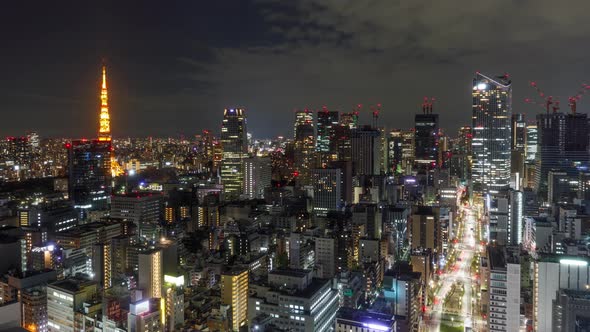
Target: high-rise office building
x,y
531,145
425,230
426,137
304,149
327,121
366,150
561,188
562,145
503,284
65,298
144,210
89,174
518,145
18,154
531,142
516,218
325,257
56,216
518,132
295,300
151,273
257,176
551,274
394,154
234,292
235,147
571,310
327,190
349,120
492,112
460,163
402,288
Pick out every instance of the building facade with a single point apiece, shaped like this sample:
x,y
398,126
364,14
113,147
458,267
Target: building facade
x,y
491,117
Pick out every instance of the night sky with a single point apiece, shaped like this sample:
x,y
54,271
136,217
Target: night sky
x,y
174,65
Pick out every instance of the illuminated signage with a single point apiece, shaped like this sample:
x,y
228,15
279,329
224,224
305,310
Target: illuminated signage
x,y
50,247
178,281
140,307
376,326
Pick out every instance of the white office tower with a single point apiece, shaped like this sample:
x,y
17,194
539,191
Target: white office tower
x,y
551,274
295,301
503,290
257,177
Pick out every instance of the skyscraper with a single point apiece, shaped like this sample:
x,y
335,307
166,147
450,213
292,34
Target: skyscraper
x,y
257,176
531,142
366,148
517,146
426,138
327,123
426,141
562,145
492,112
89,174
460,165
304,145
235,146
531,145
327,190
518,132
326,127
143,209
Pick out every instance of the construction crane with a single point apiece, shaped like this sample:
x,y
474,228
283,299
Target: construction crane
x,y
427,105
549,102
375,111
573,100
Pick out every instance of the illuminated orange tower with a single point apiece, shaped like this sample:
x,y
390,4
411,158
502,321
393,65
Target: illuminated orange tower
x,y
104,130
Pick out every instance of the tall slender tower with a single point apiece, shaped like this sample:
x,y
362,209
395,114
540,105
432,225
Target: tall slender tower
x,y
492,112
235,148
104,130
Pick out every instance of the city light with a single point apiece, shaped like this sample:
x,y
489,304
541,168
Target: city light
x,y
575,262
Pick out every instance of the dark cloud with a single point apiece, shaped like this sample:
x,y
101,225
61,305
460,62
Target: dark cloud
x,y
174,67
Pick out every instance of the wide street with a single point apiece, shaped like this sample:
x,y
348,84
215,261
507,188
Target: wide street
x,y
457,272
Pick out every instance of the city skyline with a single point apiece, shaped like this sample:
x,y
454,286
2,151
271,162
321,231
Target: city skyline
x,y
295,166
188,65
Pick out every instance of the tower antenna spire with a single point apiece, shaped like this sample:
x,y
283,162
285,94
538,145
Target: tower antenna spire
x,y
104,129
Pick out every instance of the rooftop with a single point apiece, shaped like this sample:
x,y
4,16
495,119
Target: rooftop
x,y
497,257
300,273
72,285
